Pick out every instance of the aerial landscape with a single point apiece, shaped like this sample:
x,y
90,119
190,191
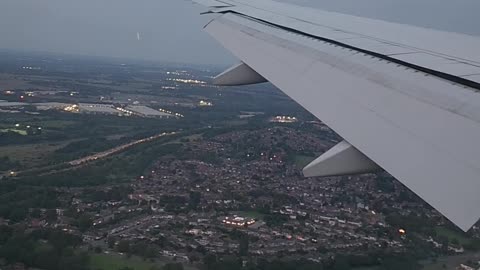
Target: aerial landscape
x,y
112,164
239,135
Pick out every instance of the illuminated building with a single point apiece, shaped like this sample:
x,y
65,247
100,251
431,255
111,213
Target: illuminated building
x,y
238,221
284,119
205,103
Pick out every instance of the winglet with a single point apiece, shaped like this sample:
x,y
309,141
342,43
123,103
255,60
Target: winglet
x,y
240,74
342,159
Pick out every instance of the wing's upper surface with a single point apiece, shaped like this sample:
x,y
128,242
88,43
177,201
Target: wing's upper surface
x,y
404,96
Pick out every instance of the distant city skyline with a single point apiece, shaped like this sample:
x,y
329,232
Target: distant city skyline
x,y
171,30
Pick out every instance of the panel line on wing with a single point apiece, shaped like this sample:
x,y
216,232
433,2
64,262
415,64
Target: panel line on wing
x,y
473,85
281,18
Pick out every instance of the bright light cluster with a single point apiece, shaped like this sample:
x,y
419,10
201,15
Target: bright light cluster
x,y
284,119
238,221
188,81
205,103
124,111
72,108
178,72
170,112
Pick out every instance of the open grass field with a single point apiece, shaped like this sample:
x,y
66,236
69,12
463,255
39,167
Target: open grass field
x,y
21,132
238,122
302,161
450,234
56,124
10,81
30,155
451,262
116,261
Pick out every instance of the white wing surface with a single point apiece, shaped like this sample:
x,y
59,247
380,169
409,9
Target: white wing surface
x,y
403,98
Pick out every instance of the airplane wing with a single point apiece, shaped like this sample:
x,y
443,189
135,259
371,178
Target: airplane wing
x,y
404,98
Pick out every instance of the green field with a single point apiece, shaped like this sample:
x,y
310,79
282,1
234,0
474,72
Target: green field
x,y
450,262
302,161
450,234
56,124
21,132
31,155
116,261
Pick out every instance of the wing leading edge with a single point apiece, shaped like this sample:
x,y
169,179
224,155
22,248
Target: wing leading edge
x,y
420,126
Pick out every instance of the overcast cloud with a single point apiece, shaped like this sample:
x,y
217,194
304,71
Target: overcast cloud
x,y
170,30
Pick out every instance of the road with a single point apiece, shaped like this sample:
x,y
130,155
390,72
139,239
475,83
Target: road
x,y
117,149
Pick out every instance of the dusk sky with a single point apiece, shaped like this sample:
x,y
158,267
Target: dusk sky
x,y
171,30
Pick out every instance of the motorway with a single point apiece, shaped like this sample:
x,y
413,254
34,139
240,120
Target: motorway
x,y
117,149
